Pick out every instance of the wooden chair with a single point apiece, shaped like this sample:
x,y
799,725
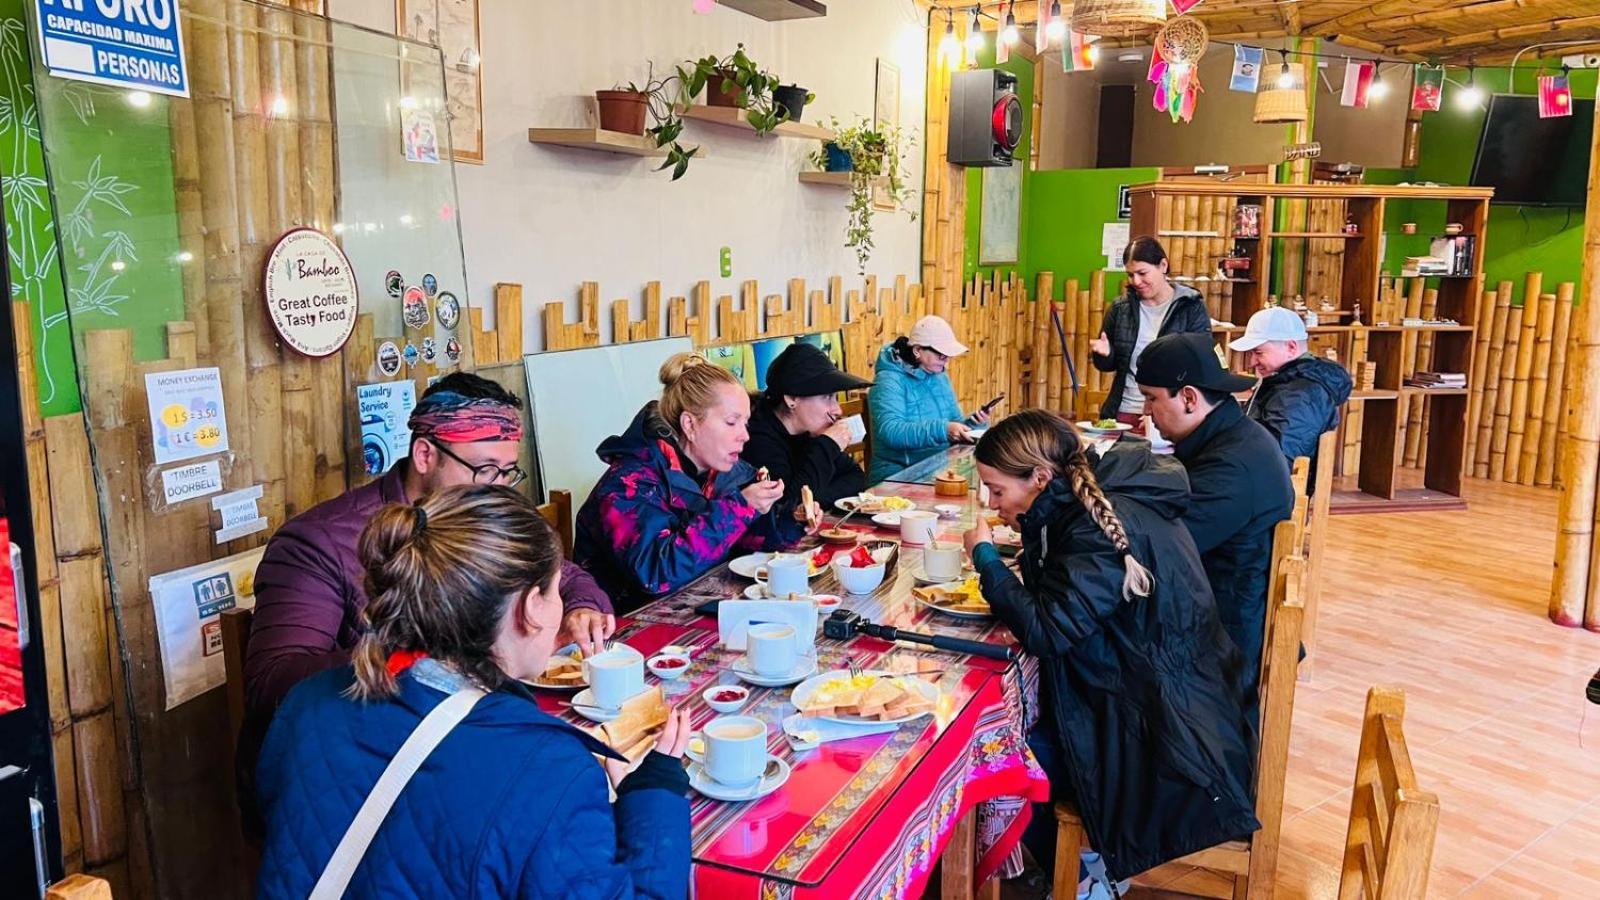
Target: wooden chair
x,y
1388,845
236,624
1316,544
558,512
79,886
856,405
1252,863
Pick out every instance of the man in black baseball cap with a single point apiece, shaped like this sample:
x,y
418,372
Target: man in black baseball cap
x,y
797,434
1238,481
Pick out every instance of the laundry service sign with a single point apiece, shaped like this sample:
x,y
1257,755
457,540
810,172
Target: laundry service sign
x,y
127,43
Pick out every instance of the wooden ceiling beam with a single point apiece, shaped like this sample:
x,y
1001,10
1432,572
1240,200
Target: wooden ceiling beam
x,y
1496,35
1461,13
1378,10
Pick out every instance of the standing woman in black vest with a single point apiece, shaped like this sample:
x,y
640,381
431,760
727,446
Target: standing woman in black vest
x,y
1153,306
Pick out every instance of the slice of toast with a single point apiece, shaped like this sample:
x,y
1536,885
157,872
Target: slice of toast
x,y
643,713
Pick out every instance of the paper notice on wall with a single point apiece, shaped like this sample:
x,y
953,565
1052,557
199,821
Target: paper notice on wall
x,y
385,413
1114,237
240,516
189,604
191,482
186,414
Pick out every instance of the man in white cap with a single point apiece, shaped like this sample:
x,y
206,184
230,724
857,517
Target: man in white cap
x,y
1299,396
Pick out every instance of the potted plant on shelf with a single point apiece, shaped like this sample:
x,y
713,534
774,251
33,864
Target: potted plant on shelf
x,y
625,109
875,159
737,81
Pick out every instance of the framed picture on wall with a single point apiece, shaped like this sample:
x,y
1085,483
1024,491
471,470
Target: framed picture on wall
x,y
885,114
452,26
1000,218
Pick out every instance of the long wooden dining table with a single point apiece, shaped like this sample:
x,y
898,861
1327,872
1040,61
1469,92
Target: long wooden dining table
x,y
867,816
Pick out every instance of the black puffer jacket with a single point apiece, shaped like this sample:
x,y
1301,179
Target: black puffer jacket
x,y
1239,492
799,459
1144,694
1187,315
1299,402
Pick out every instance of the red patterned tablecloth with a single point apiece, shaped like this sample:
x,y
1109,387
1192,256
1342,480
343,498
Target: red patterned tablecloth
x,y
867,817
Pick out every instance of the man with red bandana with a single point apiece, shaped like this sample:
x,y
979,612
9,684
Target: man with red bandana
x,y
310,586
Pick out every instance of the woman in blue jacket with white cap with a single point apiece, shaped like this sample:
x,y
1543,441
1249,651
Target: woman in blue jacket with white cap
x,y
913,406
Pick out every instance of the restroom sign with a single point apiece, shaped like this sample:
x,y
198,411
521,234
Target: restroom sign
x,y
126,43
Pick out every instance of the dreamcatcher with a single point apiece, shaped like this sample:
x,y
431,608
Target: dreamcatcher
x,y
1175,66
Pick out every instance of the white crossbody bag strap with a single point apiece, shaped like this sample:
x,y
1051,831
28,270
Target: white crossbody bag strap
x,y
353,846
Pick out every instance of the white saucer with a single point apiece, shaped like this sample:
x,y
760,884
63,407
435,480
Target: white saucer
x,y
705,784
948,510
887,519
921,576
803,670
591,713
747,566
758,591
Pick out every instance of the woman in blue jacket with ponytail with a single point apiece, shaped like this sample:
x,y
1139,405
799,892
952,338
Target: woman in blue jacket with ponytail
x,y
914,408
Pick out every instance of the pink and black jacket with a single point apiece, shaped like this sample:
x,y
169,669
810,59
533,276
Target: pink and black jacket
x,y
654,523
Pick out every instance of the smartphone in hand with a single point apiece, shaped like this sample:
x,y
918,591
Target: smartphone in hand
x,y
993,403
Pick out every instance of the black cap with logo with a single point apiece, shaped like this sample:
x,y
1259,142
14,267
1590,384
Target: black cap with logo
x,y
1176,361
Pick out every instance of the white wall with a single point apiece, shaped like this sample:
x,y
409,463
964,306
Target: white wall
x,y
549,218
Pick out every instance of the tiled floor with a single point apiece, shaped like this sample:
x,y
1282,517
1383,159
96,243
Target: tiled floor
x,y
1450,607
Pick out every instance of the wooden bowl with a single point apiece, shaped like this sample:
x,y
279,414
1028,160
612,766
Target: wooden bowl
x,y
839,535
949,487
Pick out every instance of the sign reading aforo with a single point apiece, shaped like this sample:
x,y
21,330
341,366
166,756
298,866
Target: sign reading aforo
x,y
126,43
311,292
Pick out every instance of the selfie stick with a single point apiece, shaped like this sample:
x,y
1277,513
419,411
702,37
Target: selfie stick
x,y
844,624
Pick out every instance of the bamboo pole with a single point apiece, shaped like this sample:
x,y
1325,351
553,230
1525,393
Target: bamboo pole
x,y
1504,394
1564,420
1533,415
1491,378
1421,360
1571,591
1556,395
1532,291
1480,361
1043,296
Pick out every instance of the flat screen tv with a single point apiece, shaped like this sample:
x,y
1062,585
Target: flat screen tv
x,y
1531,161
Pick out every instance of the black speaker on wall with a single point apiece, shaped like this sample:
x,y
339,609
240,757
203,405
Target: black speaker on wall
x,y
985,118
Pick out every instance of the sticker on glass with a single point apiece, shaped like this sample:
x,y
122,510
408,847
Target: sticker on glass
x,y
448,309
415,310
452,349
430,285
388,359
394,283
412,354
430,350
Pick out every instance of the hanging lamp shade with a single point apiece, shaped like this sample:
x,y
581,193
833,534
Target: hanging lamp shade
x,y
1118,18
1281,105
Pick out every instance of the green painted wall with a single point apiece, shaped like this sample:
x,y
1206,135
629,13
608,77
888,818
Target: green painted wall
x,y
1067,212
1023,69
31,236
1521,238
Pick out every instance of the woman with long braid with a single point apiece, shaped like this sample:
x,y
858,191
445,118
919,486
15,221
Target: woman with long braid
x,y
1141,719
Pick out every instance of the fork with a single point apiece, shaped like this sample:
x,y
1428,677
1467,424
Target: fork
x,y
855,669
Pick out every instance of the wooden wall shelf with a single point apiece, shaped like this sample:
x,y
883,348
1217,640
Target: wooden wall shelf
x,y
779,10
836,179
598,139
734,117
1318,235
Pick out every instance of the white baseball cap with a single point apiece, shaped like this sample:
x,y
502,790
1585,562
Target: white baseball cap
x,y
1271,324
932,331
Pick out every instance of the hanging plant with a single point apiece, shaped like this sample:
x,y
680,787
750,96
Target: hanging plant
x,y
663,99
877,173
736,80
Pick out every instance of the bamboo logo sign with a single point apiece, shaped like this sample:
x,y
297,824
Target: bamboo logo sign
x,y
127,43
311,292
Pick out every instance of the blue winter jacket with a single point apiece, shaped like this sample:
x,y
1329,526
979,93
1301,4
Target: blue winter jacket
x,y
910,410
511,804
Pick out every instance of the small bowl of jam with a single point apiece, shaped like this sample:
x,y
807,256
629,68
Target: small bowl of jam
x,y
668,666
726,698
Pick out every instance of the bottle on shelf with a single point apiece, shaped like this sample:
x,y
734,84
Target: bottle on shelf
x,y
1355,317
1350,226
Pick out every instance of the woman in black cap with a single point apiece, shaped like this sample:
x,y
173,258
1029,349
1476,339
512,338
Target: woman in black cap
x,y
796,433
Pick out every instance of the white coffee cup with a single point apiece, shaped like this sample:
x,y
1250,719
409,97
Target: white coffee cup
x,y
918,526
773,648
614,676
858,428
736,749
787,573
942,561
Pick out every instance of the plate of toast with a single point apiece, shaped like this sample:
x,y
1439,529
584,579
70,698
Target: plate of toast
x,y
963,599
564,671
871,503
873,696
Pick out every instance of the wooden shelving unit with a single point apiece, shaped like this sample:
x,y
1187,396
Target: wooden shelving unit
x,y
734,117
597,139
1155,207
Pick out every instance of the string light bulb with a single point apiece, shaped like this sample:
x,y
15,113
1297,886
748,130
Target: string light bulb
x,y
1011,35
974,35
1377,90
1285,75
1057,29
948,45
1470,96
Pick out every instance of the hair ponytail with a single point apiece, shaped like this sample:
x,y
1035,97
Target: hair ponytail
x,y
440,574
689,384
1024,442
